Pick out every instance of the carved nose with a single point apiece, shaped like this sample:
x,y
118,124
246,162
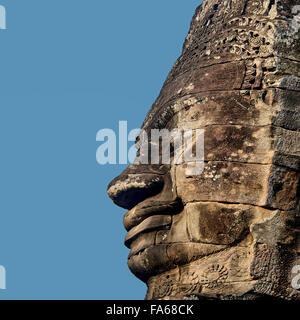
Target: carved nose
x,y
135,184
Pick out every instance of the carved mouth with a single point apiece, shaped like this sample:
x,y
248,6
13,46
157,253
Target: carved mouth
x,y
150,215
149,208
149,224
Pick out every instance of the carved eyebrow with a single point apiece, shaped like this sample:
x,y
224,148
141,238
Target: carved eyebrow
x,y
160,118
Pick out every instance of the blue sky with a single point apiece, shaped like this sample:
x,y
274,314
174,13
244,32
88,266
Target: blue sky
x,y
68,69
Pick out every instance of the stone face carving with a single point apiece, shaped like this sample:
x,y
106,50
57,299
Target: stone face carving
x,y
232,232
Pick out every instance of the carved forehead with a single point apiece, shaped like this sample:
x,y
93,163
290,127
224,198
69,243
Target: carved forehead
x,y
221,50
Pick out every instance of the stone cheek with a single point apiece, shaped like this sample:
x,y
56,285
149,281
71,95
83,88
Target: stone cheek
x,y
225,182
217,223
256,184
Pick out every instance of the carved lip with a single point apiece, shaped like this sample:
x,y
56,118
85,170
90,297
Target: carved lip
x,y
151,223
150,208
